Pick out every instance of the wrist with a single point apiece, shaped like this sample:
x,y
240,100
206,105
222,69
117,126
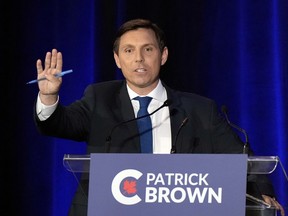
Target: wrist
x,y
48,99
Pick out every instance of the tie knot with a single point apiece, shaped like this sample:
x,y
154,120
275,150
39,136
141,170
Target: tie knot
x,y
144,101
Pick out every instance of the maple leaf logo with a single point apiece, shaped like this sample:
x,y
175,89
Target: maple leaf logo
x,y
129,187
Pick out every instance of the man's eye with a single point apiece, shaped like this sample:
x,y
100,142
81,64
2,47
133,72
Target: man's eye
x,y
128,50
149,49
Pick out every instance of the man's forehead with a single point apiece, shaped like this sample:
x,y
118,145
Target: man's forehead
x,y
138,37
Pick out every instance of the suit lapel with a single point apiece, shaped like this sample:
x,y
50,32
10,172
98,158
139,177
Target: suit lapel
x,y
127,112
177,113
125,105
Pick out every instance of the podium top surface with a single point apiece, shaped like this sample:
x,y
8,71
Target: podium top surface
x,y
255,164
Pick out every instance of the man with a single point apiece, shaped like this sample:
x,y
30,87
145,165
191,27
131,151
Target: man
x,y
139,51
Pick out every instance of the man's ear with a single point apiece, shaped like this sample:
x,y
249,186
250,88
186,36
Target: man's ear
x,y
116,58
164,56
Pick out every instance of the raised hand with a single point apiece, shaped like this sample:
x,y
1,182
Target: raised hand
x,y
50,87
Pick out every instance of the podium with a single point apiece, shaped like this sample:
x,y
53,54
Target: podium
x,y
257,165
260,165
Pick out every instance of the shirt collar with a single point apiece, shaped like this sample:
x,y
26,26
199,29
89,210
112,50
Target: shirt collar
x,y
159,93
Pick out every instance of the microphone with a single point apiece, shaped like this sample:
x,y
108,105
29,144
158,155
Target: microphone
x,y
246,144
173,149
168,102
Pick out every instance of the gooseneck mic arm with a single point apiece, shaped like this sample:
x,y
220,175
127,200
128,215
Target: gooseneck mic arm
x,y
173,149
246,144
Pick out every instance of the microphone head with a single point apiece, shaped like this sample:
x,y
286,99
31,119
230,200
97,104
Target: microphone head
x,y
224,109
168,102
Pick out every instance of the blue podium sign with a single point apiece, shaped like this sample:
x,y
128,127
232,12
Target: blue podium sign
x,y
167,184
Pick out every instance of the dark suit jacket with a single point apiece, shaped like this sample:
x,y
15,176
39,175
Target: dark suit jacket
x,y
107,104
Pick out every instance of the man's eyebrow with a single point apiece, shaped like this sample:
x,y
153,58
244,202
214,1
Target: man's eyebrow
x,y
131,45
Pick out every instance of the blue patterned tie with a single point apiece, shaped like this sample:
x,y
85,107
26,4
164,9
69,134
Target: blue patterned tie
x,y
144,125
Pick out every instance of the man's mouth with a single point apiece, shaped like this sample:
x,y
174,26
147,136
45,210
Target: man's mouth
x,y
140,70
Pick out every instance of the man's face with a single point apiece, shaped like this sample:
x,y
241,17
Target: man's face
x,y
140,59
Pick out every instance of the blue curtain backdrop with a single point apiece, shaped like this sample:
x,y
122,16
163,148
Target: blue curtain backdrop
x,y
232,51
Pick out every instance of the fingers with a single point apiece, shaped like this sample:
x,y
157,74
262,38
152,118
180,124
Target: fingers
x,y
273,202
39,66
59,62
278,206
48,60
53,64
53,60
282,211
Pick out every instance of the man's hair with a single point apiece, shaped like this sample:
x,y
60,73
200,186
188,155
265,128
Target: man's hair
x,y
136,24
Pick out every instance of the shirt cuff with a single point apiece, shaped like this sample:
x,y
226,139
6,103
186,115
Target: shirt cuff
x,y
44,111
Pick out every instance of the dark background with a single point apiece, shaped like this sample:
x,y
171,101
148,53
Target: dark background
x,y
234,52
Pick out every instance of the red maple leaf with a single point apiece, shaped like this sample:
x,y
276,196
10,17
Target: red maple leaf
x,y
129,187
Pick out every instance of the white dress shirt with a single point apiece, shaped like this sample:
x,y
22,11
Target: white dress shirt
x,y
160,120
